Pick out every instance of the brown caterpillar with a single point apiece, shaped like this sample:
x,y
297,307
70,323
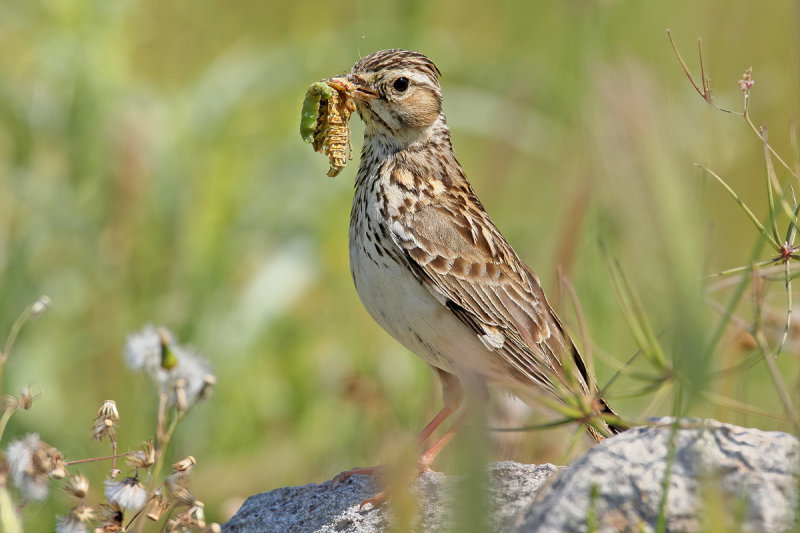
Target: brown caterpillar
x,y
327,108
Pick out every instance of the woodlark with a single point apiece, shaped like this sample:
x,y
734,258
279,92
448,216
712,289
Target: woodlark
x,y
431,267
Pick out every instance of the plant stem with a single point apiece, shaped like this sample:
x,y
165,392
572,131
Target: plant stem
x,y
4,419
9,519
95,459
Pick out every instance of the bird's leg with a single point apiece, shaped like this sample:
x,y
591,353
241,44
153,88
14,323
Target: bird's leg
x,y
425,460
433,424
375,471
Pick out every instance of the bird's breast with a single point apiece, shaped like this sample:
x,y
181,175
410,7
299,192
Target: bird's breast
x,y
388,288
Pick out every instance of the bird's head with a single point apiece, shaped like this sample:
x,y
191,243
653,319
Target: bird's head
x,y
397,93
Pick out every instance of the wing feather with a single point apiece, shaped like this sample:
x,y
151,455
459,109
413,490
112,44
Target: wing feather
x,y
464,260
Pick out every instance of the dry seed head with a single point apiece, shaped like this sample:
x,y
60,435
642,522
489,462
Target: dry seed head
x,y
77,486
144,458
29,466
75,521
198,513
113,515
40,306
193,518
104,428
106,421
158,504
24,401
175,490
184,466
58,468
181,402
209,380
108,411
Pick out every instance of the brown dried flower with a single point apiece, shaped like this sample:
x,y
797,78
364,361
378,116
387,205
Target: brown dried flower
x,y
158,505
31,464
184,466
106,421
144,458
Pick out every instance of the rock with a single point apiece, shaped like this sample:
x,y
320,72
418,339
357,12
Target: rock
x,y
320,507
723,477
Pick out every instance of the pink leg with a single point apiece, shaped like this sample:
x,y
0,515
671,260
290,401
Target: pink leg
x,y
377,470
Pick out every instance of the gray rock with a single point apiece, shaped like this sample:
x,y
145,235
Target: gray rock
x,y
320,507
723,478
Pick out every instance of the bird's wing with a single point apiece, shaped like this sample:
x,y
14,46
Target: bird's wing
x,y
461,257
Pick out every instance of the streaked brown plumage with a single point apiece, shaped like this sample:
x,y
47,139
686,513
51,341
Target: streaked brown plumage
x,y
431,267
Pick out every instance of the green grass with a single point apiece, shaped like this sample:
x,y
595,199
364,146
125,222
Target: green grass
x,y
151,171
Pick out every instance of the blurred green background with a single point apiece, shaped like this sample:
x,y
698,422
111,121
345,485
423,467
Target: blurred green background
x,y
151,170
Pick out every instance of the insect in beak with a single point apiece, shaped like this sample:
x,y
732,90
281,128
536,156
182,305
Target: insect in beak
x,y
361,92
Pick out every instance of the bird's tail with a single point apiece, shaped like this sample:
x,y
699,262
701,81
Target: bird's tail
x,y
611,428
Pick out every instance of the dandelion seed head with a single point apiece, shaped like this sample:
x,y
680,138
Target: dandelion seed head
x,y
128,493
70,524
143,352
191,379
180,372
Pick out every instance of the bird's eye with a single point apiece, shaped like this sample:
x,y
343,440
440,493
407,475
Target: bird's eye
x,y
400,84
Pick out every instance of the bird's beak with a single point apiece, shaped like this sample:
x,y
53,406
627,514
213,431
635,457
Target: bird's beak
x,y
360,90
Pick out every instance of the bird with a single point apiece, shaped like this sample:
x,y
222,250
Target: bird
x,y
433,270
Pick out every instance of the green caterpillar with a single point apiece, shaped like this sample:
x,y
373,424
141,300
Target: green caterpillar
x,y
308,116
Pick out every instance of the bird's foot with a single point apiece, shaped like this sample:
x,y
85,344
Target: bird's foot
x,y
372,471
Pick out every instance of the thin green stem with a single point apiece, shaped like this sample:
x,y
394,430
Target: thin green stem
x,y
742,407
770,148
739,269
770,195
633,313
788,324
661,526
775,374
7,412
547,425
727,313
775,244
774,183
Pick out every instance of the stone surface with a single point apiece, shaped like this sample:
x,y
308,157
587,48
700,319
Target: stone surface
x,y
320,507
723,478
